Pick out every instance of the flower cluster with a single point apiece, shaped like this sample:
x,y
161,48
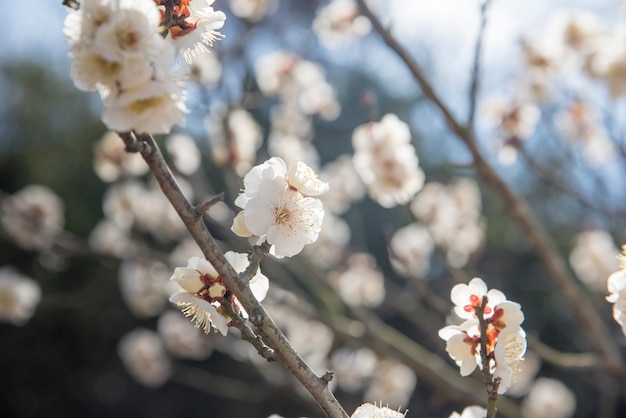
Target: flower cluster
x,y
506,340
279,207
616,285
386,161
119,51
202,291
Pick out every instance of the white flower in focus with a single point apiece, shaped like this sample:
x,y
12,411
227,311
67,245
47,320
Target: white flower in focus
x,y
549,398
302,178
287,220
201,285
143,355
473,411
19,296
130,31
463,345
203,23
259,283
468,297
386,161
509,354
270,169
112,162
33,217
616,285
154,107
184,153
367,410
276,211
593,258
203,314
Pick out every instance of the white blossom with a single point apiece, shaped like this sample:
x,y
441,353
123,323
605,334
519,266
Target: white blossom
x,y
386,161
367,410
19,297
33,217
143,355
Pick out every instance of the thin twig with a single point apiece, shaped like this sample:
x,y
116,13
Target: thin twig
x,y
273,336
473,93
204,207
584,312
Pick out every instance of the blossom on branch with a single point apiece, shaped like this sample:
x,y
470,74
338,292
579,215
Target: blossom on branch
x,y
202,292
489,317
616,285
279,208
367,410
118,50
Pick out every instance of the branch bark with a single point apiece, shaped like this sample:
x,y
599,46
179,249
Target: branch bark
x,y
588,318
273,336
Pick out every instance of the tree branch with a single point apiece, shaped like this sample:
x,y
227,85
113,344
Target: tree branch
x,y
473,93
588,318
273,336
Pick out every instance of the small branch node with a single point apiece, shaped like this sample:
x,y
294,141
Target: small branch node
x,y
204,207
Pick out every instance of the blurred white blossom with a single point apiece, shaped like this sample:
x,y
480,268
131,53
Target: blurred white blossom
x,y
253,10
360,282
549,398
112,161
184,153
19,296
143,355
452,215
338,22
386,161
143,286
593,258
33,217
410,249
181,338
392,381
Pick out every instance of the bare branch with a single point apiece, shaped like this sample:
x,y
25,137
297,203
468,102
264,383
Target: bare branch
x,y
285,353
584,312
200,209
473,93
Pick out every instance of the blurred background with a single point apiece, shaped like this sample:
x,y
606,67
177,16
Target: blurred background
x,y
87,243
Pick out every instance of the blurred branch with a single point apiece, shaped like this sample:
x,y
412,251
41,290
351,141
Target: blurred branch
x,y
561,359
552,178
285,354
473,93
584,312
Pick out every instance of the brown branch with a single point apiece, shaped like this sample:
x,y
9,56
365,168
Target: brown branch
x,y
473,93
584,312
273,336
